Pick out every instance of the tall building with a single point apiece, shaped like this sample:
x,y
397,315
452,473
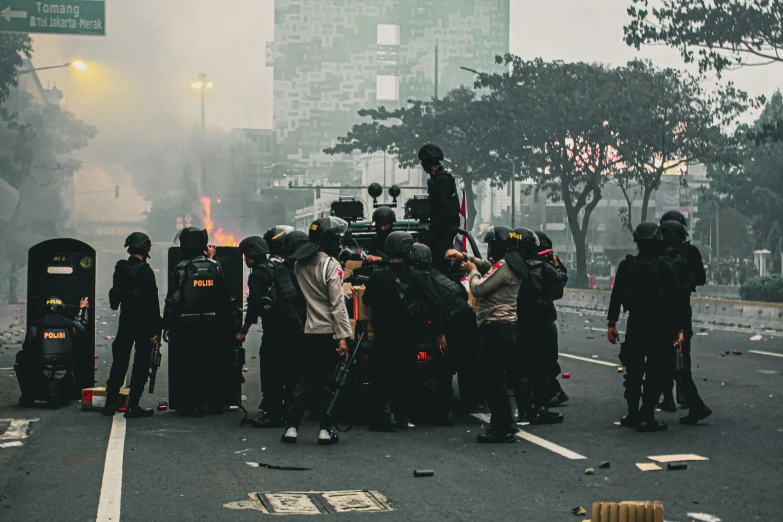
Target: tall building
x,y
334,57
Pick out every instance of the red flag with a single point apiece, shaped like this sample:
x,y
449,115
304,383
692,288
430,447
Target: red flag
x,y
463,212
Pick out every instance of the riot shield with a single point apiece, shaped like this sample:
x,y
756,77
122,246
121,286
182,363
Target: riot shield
x,y
225,372
65,268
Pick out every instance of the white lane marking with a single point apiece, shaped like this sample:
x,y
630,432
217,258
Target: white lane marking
x,y
6,369
587,359
766,353
17,429
111,487
551,446
12,444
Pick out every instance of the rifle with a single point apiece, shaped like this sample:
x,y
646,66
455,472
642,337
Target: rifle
x,y
155,358
340,379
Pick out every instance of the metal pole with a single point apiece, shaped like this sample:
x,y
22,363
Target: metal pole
x,y
513,193
203,123
43,68
436,73
203,139
717,233
384,175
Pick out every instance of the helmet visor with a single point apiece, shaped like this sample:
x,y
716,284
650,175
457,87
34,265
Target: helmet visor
x,y
337,226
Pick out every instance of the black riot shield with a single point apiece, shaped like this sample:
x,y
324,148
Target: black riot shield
x,y
65,268
226,372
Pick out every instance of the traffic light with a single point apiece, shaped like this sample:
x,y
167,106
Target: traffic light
x,y
116,191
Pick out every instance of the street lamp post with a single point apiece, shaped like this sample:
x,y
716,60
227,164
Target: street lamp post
x,y
77,64
202,84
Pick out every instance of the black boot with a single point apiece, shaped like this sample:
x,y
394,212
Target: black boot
x,y
137,412
558,398
497,436
110,408
668,405
327,438
544,416
267,420
648,426
696,414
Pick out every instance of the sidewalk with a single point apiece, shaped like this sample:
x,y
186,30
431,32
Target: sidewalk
x,y
12,326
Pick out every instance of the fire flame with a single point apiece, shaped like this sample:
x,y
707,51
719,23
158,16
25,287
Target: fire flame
x,y
216,236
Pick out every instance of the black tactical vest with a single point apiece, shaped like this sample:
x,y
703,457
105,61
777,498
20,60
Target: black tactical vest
x,y
200,292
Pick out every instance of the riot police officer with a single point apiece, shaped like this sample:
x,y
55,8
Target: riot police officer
x,y
135,293
383,219
676,236
271,298
401,308
496,316
44,365
537,328
328,327
651,290
461,334
444,205
194,316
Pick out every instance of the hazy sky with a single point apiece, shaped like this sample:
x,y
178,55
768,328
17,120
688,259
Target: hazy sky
x,y
140,73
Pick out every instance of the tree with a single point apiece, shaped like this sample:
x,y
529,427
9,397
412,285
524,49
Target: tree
x,y
719,34
556,121
752,181
664,122
13,46
458,123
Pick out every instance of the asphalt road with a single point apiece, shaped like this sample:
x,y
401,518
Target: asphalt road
x,y
177,468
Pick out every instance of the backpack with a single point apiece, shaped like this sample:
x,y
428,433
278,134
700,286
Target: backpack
x,y
125,286
200,293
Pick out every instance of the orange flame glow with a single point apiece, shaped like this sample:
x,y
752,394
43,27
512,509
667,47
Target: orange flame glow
x,y
216,236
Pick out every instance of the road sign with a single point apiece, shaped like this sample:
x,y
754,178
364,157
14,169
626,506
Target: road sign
x,y
84,17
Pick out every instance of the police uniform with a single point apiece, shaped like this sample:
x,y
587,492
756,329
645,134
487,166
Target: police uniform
x,y
401,308
654,290
44,364
283,333
444,208
135,293
196,315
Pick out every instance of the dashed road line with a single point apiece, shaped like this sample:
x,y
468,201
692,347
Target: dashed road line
x,y
111,487
588,359
551,446
760,352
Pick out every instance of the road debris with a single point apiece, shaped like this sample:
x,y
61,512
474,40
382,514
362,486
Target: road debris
x,y
423,473
703,517
620,369
648,466
605,465
566,376
686,457
737,352
579,511
756,337
270,466
675,466
589,471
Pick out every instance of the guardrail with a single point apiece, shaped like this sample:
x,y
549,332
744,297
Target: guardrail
x,y
721,312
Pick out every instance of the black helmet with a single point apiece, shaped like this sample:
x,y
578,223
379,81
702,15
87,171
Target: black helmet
x,y
430,154
398,244
489,235
54,305
383,215
502,242
647,231
326,233
253,247
527,242
674,234
138,243
674,215
546,243
193,241
275,238
293,240
420,255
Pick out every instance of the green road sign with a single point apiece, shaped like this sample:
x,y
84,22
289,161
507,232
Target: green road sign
x,y
86,17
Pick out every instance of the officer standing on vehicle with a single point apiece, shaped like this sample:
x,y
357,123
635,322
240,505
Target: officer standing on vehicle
x,y
675,237
459,320
328,327
496,315
194,316
647,286
537,329
444,205
45,360
383,219
401,308
135,293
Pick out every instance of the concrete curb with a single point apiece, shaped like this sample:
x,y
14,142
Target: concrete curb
x,y
706,310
